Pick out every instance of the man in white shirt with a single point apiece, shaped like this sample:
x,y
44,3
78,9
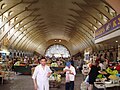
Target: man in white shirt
x,y
70,76
41,75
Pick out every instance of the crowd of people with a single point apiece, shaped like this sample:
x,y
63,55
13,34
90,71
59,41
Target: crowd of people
x,y
90,68
97,65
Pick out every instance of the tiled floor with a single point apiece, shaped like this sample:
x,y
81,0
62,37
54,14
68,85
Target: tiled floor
x,y
24,82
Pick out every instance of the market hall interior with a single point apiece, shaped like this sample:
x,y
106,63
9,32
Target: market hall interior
x,y
60,30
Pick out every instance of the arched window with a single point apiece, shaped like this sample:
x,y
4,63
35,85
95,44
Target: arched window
x,y
107,9
57,51
5,16
3,6
17,25
105,18
111,11
0,19
12,21
16,18
99,23
95,27
10,13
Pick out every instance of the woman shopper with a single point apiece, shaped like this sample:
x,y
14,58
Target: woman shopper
x,y
41,75
94,71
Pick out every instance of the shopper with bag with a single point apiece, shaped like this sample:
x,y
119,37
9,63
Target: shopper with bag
x,y
70,76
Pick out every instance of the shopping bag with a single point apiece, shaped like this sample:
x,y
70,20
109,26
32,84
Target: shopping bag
x,y
67,77
83,86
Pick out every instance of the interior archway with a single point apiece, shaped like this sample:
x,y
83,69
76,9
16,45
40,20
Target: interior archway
x,y
57,50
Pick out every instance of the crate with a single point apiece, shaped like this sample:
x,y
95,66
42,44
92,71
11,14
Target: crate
x,y
54,84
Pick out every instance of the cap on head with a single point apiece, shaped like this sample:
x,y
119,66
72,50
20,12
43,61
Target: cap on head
x,y
68,64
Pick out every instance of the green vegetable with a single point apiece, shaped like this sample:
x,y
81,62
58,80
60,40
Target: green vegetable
x,y
112,72
100,76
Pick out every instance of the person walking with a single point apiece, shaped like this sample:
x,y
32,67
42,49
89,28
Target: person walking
x,y
94,71
93,75
70,76
41,75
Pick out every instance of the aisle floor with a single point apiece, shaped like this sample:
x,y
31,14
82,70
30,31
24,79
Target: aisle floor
x,y
24,82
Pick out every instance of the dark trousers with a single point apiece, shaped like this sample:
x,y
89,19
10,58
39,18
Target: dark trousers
x,y
69,85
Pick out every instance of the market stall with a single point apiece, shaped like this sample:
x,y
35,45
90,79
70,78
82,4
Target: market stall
x,y
55,80
57,68
110,80
22,69
23,66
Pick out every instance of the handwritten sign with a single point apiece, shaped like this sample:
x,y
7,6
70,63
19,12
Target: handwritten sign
x,y
109,27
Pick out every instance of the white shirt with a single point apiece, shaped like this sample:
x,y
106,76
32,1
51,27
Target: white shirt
x,y
102,66
41,77
71,76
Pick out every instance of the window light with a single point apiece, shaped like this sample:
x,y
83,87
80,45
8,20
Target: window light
x,y
3,6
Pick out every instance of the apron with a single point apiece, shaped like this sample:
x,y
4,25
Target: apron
x,y
42,79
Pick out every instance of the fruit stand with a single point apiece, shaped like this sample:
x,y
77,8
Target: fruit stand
x,y
23,69
110,80
55,80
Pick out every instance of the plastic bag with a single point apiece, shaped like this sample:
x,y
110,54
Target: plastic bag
x,y
67,77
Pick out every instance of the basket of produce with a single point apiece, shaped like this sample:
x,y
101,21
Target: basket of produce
x,y
55,80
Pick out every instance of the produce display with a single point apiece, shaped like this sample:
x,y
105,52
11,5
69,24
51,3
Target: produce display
x,y
113,77
100,76
55,77
55,80
109,72
112,72
17,63
110,78
54,64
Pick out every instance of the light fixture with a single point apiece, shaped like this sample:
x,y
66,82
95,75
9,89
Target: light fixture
x,y
55,40
59,40
116,41
91,31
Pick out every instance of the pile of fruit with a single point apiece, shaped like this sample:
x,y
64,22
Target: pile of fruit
x,y
55,77
54,64
111,74
17,63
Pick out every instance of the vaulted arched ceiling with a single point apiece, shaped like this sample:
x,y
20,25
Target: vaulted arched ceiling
x,y
33,25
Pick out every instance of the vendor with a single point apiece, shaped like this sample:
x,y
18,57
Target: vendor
x,y
41,75
118,66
